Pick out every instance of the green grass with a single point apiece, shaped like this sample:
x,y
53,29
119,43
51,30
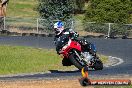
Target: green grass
x,y
20,59
22,8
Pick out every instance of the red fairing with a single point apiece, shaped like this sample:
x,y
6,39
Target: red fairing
x,y
71,45
75,45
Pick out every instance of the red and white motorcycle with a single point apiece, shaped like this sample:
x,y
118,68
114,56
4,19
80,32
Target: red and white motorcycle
x,y
80,55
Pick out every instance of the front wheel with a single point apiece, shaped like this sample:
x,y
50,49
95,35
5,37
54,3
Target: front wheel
x,y
76,61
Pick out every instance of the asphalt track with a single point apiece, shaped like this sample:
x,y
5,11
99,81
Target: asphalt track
x,y
121,48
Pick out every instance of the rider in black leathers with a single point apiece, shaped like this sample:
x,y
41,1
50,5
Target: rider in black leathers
x,y
62,36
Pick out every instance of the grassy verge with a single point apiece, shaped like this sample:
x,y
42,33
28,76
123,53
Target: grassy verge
x,y
22,8
103,58
19,59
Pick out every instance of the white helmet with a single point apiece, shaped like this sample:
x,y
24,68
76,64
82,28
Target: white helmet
x,y
58,27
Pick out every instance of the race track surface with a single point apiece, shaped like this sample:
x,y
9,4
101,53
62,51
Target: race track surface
x,y
121,48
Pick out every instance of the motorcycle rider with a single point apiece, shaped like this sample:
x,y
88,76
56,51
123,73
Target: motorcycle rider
x,y
61,33
62,36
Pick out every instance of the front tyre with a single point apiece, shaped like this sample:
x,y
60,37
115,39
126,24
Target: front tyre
x,y
75,60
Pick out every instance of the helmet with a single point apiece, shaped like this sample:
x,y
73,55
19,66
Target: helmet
x,y
58,27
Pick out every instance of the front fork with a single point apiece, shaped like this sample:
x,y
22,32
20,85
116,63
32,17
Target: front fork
x,y
83,61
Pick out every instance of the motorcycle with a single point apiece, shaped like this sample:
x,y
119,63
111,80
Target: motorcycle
x,y
79,53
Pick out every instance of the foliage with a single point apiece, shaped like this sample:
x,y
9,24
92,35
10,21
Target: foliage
x,y
116,29
96,27
109,11
55,9
119,29
79,5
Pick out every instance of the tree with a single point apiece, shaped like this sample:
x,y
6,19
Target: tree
x,y
109,11
86,1
80,4
55,9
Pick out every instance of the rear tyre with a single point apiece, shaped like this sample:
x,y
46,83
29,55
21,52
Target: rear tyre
x,y
74,59
98,65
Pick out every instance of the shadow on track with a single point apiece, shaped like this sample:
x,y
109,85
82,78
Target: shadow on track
x,y
57,71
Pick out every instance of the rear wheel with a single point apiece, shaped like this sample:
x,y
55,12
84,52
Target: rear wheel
x,y
75,60
98,65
